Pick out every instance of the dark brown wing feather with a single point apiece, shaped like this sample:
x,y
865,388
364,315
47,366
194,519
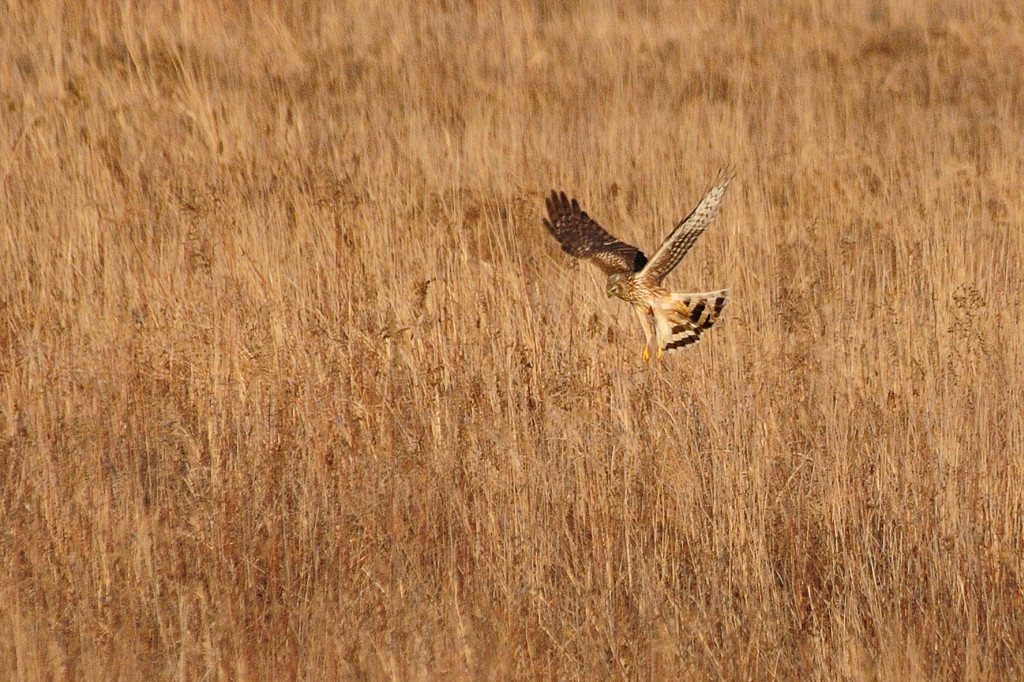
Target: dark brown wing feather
x,y
581,237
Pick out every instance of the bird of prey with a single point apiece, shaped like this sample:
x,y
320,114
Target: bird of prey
x,y
679,319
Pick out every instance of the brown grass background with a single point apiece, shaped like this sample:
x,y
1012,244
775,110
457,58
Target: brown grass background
x,y
294,384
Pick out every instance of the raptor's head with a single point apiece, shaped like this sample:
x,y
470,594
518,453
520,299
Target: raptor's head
x,y
616,284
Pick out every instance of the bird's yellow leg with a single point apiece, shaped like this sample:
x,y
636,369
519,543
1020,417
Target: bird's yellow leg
x,y
641,315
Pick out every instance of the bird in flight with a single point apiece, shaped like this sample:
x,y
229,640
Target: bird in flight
x,y
679,319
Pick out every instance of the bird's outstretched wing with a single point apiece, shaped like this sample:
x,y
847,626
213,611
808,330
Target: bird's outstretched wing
x,y
677,244
581,237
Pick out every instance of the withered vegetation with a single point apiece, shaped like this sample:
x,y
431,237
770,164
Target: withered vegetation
x,y
294,384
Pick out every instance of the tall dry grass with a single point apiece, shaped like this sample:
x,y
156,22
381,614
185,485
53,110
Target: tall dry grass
x,y
294,384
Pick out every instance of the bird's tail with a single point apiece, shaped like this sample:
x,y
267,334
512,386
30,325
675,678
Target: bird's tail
x,y
680,319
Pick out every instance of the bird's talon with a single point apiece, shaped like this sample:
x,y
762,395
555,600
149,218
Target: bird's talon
x,y
647,355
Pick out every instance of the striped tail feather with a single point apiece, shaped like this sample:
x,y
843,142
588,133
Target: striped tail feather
x,y
680,319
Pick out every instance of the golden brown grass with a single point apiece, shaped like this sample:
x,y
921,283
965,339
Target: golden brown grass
x,y
294,384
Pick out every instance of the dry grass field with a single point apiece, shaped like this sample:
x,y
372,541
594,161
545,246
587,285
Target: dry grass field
x,y
294,384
